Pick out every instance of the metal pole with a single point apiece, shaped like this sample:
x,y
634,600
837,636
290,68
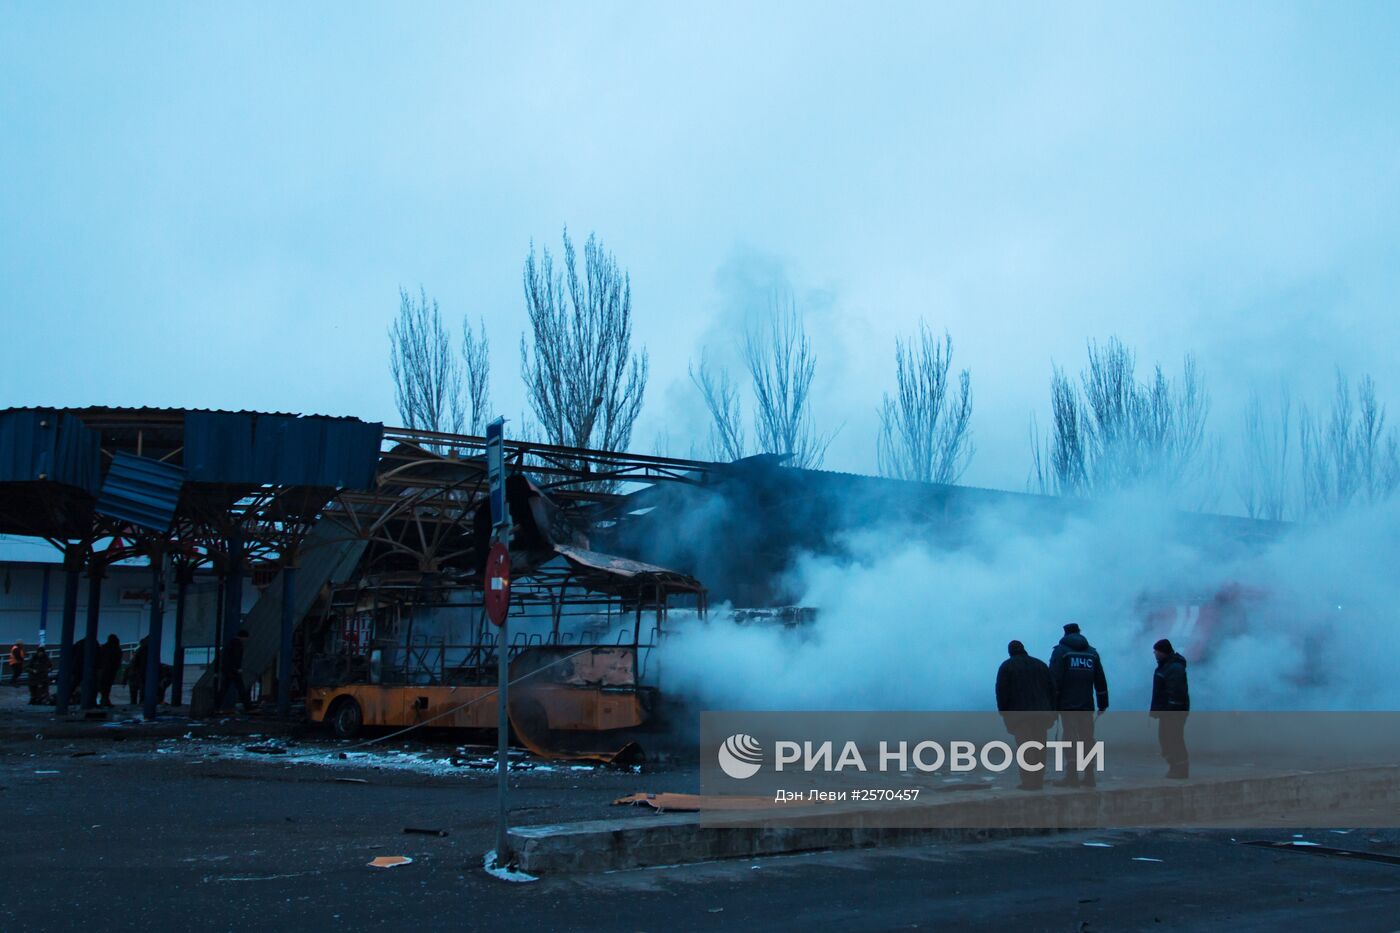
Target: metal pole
x,y
44,611
502,746
94,606
284,661
233,593
153,641
219,601
233,596
65,638
177,680
500,515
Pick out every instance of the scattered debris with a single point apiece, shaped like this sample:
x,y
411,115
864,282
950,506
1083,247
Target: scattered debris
x,y
1312,848
265,749
424,832
692,803
506,872
389,861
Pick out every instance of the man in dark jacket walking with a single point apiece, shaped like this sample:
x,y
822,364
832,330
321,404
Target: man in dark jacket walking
x,y
1171,703
1025,699
1079,681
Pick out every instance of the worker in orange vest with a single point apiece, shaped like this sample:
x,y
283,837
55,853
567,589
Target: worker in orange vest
x,y
16,661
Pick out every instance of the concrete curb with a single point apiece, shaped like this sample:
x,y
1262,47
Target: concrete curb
x,y
669,839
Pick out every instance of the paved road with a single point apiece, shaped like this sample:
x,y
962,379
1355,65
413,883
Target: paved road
x,y
132,837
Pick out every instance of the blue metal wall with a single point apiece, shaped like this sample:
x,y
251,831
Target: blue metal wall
x,y
40,444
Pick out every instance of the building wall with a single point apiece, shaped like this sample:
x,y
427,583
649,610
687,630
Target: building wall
x,y
124,611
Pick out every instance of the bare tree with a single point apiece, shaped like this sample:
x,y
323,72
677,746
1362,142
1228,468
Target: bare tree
x,y
781,364
1351,457
427,374
924,431
722,401
583,382
1265,482
1116,433
476,365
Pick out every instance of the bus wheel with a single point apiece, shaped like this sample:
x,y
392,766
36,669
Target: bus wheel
x,y
346,719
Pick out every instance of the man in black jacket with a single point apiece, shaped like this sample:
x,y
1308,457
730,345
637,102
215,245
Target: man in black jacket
x,y
109,661
1025,699
1079,680
1171,703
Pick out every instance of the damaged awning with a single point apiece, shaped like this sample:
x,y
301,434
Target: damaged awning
x,y
619,575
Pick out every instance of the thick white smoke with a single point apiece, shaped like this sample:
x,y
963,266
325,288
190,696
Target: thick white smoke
x,y
906,625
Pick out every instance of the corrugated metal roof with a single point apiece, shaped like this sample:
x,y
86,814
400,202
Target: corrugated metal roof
x,y
287,450
168,411
47,445
141,491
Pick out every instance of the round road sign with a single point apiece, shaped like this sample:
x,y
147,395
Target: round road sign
x,y
497,589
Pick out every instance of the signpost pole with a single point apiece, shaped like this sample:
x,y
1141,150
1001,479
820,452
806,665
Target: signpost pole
x,y
502,750
496,598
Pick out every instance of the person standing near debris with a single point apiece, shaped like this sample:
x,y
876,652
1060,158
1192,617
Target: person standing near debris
x,y
232,664
136,673
16,662
38,669
1077,673
109,661
1171,703
1025,699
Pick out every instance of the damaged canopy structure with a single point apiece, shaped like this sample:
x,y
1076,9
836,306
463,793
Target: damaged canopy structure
x,y
338,508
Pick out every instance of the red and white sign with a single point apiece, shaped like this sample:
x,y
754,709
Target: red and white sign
x,y
497,590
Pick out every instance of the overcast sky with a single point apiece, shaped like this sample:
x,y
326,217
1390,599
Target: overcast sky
x,y
216,205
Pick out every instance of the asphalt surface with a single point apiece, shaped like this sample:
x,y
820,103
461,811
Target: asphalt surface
x,y
160,832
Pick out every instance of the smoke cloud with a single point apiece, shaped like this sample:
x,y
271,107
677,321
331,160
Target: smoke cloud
x,y
919,625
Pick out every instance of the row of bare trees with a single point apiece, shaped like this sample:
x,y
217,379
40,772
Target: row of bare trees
x,y
1110,430
1311,465
584,384
925,427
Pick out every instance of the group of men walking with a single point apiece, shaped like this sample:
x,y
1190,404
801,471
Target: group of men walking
x,y
1072,687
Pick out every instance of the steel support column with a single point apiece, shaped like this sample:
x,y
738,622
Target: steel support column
x,y
233,588
44,611
72,560
284,660
219,600
94,609
177,682
152,697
